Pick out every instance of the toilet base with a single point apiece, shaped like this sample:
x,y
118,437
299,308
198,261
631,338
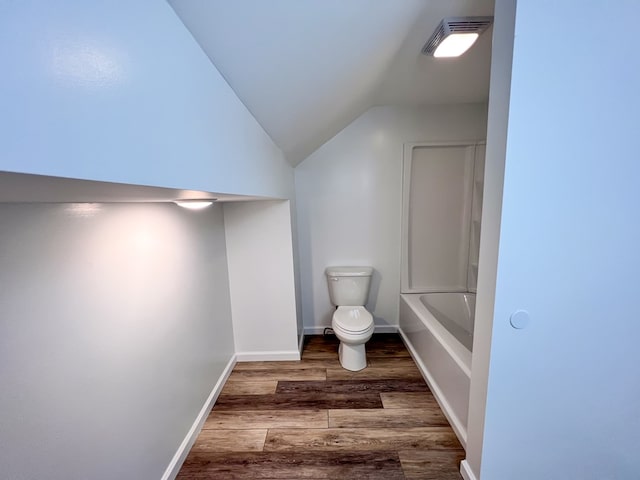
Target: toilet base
x,y
352,357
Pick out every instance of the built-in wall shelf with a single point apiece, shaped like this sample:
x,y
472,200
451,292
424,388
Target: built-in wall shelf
x,y
477,191
476,217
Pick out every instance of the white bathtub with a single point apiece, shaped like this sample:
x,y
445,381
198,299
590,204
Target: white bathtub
x,y
429,325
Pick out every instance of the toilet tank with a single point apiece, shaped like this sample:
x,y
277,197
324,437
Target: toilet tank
x,y
349,285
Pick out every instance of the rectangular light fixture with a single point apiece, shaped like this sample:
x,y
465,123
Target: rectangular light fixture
x,y
455,35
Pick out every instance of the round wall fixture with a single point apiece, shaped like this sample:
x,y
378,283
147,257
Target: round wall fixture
x,y
519,319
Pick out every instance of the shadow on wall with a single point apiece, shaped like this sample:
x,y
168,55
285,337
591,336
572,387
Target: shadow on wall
x,y
305,262
374,289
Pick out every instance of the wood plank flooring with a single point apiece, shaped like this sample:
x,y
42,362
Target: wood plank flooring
x,y
314,420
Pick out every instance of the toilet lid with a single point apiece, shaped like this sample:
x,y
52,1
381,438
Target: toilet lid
x,y
353,319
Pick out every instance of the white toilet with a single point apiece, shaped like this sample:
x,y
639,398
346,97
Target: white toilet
x,y
351,322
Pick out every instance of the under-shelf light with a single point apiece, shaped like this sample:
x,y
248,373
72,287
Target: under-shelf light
x,y
195,204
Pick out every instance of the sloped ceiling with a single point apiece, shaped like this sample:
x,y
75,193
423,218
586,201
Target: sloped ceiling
x,y
306,68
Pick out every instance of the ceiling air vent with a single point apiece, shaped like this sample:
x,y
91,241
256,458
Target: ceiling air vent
x,y
456,26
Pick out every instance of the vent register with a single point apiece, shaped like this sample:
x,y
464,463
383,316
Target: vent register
x,y
455,25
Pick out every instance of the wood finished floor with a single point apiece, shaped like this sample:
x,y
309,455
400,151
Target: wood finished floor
x,y
311,419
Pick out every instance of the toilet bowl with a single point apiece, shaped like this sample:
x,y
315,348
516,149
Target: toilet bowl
x,y
353,326
351,322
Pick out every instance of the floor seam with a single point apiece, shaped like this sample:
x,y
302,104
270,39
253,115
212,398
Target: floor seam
x,y
346,452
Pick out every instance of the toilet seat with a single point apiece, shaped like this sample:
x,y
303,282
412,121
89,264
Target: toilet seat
x,y
353,326
352,320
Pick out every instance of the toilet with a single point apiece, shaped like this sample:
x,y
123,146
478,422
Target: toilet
x,y
351,322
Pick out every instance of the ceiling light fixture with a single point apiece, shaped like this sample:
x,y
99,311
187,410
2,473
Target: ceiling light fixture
x,y
455,35
195,204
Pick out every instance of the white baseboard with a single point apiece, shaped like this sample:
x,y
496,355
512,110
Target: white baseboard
x,y
386,329
178,459
267,356
465,471
314,330
378,329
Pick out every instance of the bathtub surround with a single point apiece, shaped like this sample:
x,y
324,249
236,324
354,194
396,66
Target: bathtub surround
x,y
436,211
113,317
442,203
441,208
354,183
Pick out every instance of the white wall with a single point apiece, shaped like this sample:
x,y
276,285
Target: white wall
x,y
115,324
349,200
119,91
563,393
498,115
260,256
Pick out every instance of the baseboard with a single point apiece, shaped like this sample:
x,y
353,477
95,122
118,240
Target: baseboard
x,y
378,329
465,471
267,356
178,459
455,423
386,329
314,330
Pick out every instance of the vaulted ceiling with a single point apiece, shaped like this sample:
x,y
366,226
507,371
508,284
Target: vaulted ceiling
x,y
307,68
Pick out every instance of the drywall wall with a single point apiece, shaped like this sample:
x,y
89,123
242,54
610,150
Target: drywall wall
x,y
119,91
260,259
115,325
562,398
497,120
349,201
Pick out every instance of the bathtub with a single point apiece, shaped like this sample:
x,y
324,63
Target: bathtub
x,y
438,331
